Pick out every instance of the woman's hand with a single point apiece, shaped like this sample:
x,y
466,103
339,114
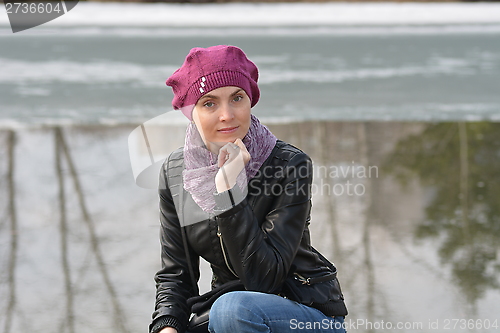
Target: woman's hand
x,y
232,160
168,330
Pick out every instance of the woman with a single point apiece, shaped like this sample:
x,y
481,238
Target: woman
x,y
239,198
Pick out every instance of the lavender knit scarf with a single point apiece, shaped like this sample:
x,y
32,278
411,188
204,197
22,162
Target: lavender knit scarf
x,y
200,165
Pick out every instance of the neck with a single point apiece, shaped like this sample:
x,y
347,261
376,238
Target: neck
x,y
212,147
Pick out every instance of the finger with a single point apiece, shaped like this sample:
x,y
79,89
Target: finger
x,y
232,149
222,158
226,153
241,145
233,146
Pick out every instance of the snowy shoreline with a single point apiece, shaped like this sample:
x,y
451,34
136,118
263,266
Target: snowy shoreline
x,y
274,14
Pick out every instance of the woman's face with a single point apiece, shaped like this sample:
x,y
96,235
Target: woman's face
x,y
222,116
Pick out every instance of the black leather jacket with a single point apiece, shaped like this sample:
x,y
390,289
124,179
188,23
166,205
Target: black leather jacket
x,y
265,236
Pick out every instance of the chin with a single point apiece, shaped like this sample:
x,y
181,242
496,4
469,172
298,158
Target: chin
x,y
225,138
231,139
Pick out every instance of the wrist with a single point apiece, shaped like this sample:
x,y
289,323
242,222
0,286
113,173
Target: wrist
x,y
224,180
165,322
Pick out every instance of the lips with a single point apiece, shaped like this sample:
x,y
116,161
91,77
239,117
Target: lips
x,y
228,130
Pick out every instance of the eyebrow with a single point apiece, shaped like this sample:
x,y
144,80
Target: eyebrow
x,y
216,97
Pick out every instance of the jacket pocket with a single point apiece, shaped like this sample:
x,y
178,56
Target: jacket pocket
x,y
321,292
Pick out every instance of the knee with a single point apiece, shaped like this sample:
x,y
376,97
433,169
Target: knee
x,y
225,307
226,310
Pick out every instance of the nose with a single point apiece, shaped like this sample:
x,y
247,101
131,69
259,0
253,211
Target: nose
x,y
226,113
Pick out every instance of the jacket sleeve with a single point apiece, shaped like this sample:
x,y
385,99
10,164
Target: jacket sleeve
x,y
262,256
173,281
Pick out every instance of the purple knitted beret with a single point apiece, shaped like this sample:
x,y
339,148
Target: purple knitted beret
x,y
206,69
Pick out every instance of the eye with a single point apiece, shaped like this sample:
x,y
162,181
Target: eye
x,y
208,104
237,98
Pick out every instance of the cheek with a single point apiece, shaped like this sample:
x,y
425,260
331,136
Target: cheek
x,y
198,121
245,124
245,117
209,126
203,124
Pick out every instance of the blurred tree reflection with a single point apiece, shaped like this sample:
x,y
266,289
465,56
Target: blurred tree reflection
x,y
460,165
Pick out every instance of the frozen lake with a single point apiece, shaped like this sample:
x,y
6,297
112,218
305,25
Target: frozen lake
x,y
410,90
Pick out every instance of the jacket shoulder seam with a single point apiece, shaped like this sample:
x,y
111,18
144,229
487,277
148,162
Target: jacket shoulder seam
x,y
287,151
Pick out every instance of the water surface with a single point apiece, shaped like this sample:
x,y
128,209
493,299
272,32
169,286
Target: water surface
x,y
406,210
400,119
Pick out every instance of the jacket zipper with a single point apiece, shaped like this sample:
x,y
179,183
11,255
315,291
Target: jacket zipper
x,y
224,252
302,279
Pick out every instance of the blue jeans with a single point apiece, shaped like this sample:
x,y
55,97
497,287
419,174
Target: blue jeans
x,y
251,312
